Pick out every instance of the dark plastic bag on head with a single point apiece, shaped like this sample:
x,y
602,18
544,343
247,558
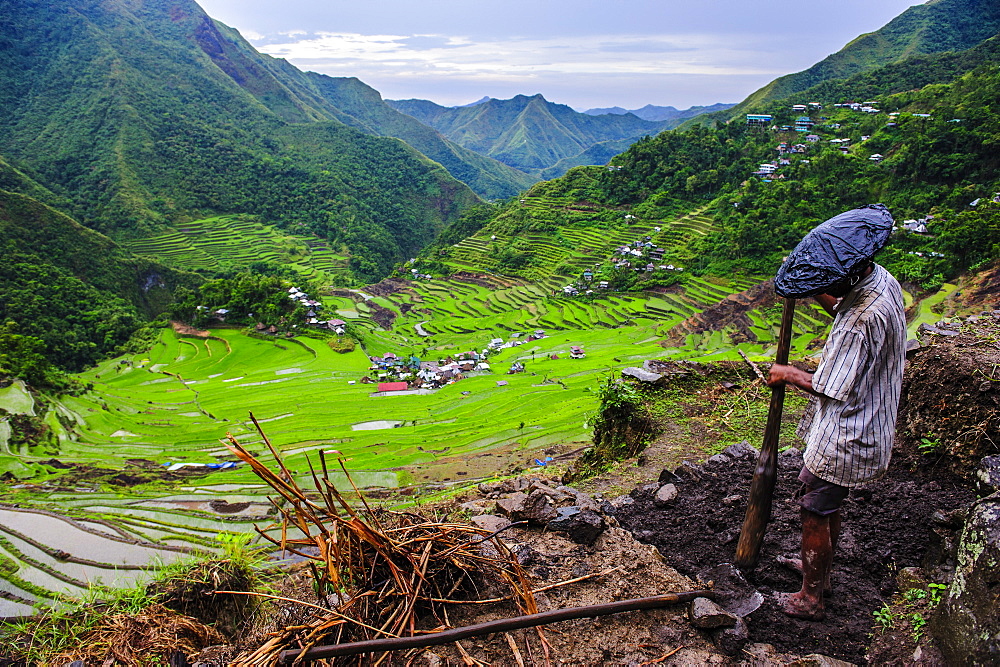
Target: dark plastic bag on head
x,y
834,250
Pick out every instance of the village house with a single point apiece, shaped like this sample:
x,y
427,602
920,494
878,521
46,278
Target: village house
x,y
803,124
576,352
759,119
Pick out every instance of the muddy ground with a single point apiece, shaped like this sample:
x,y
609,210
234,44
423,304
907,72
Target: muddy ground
x,y
887,526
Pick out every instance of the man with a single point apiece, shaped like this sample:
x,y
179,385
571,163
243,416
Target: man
x,y
849,425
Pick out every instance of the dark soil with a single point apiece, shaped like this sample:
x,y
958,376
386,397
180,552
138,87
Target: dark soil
x,y
951,394
886,526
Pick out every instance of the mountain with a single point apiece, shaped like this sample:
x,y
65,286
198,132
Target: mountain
x,y
934,27
68,295
655,113
147,113
528,133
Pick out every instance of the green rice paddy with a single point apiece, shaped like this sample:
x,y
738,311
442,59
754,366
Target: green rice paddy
x,y
176,403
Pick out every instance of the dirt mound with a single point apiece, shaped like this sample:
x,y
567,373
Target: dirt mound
x,y
388,287
951,393
886,527
983,290
731,311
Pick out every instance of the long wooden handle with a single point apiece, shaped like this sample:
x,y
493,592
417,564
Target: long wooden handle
x,y
502,625
764,478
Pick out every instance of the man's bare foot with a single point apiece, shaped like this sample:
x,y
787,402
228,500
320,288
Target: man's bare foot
x,y
798,605
796,565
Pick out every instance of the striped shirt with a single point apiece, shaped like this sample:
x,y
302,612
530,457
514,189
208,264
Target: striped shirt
x,y
849,429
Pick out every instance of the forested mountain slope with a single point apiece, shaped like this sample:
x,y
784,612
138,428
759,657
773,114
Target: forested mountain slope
x,y
934,27
930,154
299,96
142,115
68,295
529,133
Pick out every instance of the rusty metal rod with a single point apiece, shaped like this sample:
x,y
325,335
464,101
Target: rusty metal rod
x,y
502,625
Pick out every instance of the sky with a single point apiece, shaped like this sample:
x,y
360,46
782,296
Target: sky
x,y
584,53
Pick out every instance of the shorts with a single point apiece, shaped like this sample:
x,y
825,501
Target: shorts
x,y
818,495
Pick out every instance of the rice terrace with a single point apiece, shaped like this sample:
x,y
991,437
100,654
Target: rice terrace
x,y
293,371
168,407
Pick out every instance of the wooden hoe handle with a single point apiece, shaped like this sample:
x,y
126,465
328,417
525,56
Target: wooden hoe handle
x,y
764,478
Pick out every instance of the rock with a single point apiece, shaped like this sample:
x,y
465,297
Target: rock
x,y
732,640
621,501
719,459
584,526
535,507
490,522
791,453
665,495
691,471
967,625
641,375
988,476
480,506
818,660
666,477
741,450
487,488
647,489
732,500
936,331
950,519
707,615
511,504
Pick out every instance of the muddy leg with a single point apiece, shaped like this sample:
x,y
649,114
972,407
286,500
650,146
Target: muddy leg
x,y
817,552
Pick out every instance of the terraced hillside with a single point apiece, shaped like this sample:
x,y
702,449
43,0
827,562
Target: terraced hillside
x,y
226,241
582,238
170,407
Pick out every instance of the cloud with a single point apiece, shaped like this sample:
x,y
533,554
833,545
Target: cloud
x,y
343,54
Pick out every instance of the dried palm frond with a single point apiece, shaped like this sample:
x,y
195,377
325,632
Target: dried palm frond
x,y
380,573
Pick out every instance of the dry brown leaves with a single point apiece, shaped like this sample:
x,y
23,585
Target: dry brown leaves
x,y
377,573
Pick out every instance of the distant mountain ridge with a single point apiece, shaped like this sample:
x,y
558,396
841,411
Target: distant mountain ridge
x,y
526,132
145,113
657,113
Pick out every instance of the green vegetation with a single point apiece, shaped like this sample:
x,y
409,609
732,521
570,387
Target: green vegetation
x,y
185,135
929,28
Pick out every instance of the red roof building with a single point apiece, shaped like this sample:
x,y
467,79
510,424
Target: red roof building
x,y
392,386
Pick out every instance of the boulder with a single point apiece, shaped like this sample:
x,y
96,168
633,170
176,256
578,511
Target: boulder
x,y
719,459
665,495
641,375
741,450
689,471
511,504
535,507
583,526
707,615
988,476
967,624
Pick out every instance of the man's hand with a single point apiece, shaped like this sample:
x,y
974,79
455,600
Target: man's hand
x,y
781,374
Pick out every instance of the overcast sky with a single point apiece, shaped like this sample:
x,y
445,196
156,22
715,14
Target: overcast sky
x,y
584,53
